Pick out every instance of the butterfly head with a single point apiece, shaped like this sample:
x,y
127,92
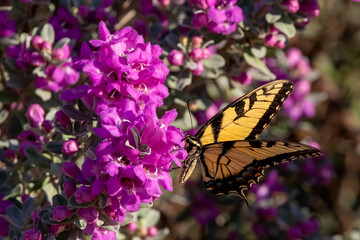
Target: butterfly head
x,y
192,144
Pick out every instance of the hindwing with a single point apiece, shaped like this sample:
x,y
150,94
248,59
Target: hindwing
x,y
231,167
246,118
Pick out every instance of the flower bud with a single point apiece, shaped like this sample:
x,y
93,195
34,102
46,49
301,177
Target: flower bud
x,y
175,57
310,8
35,115
69,188
58,54
63,119
196,42
206,53
37,42
70,169
271,40
164,3
47,46
199,20
10,154
198,70
196,54
32,234
70,147
152,231
61,212
132,227
291,5
47,126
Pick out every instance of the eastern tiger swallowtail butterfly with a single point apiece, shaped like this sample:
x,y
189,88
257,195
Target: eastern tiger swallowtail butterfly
x,y
231,158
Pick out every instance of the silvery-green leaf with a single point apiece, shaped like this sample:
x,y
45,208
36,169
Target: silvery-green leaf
x,y
274,15
172,40
43,94
109,223
258,51
37,158
55,146
238,34
214,61
4,113
23,37
80,223
62,43
73,113
102,201
223,83
129,217
58,199
28,207
257,75
257,63
15,215
3,177
213,90
17,80
8,97
286,25
210,73
50,190
77,234
9,41
47,33
15,191
190,65
268,2
184,80
150,217
146,205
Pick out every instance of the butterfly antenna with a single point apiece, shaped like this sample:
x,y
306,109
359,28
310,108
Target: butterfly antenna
x,y
192,126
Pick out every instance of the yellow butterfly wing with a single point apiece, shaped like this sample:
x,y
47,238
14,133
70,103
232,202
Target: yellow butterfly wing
x,y
231,167
246,118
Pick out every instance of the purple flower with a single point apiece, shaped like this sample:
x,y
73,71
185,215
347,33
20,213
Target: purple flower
x,y
57,77
90,214
204,210
57,229
35,115
219,16
65,25
83,194
61,213
7,27
69,188
310,8
33,234
63,120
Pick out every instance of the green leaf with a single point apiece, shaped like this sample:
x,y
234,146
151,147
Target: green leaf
x,y
73,113
15,216
184,79
8,97
150,217
28,207
274,15
3,177
43,94
257,63
109,223
37,158
47,33
77,234
80,223
172,40
214,61
55,146
286,25
55,169
59,199
212,90
16,191
62,43
102,200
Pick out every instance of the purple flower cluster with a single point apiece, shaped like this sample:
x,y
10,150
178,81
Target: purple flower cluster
x,y
309,8
298,70
137,148
7,27
195,55
204,209
219,16
65,25
57,71
37,130
276,217
4,230
275,38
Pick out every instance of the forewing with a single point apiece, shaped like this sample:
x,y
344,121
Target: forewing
x,y
246,118
231,167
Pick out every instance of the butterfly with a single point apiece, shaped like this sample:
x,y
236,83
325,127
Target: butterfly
x,y
231,158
